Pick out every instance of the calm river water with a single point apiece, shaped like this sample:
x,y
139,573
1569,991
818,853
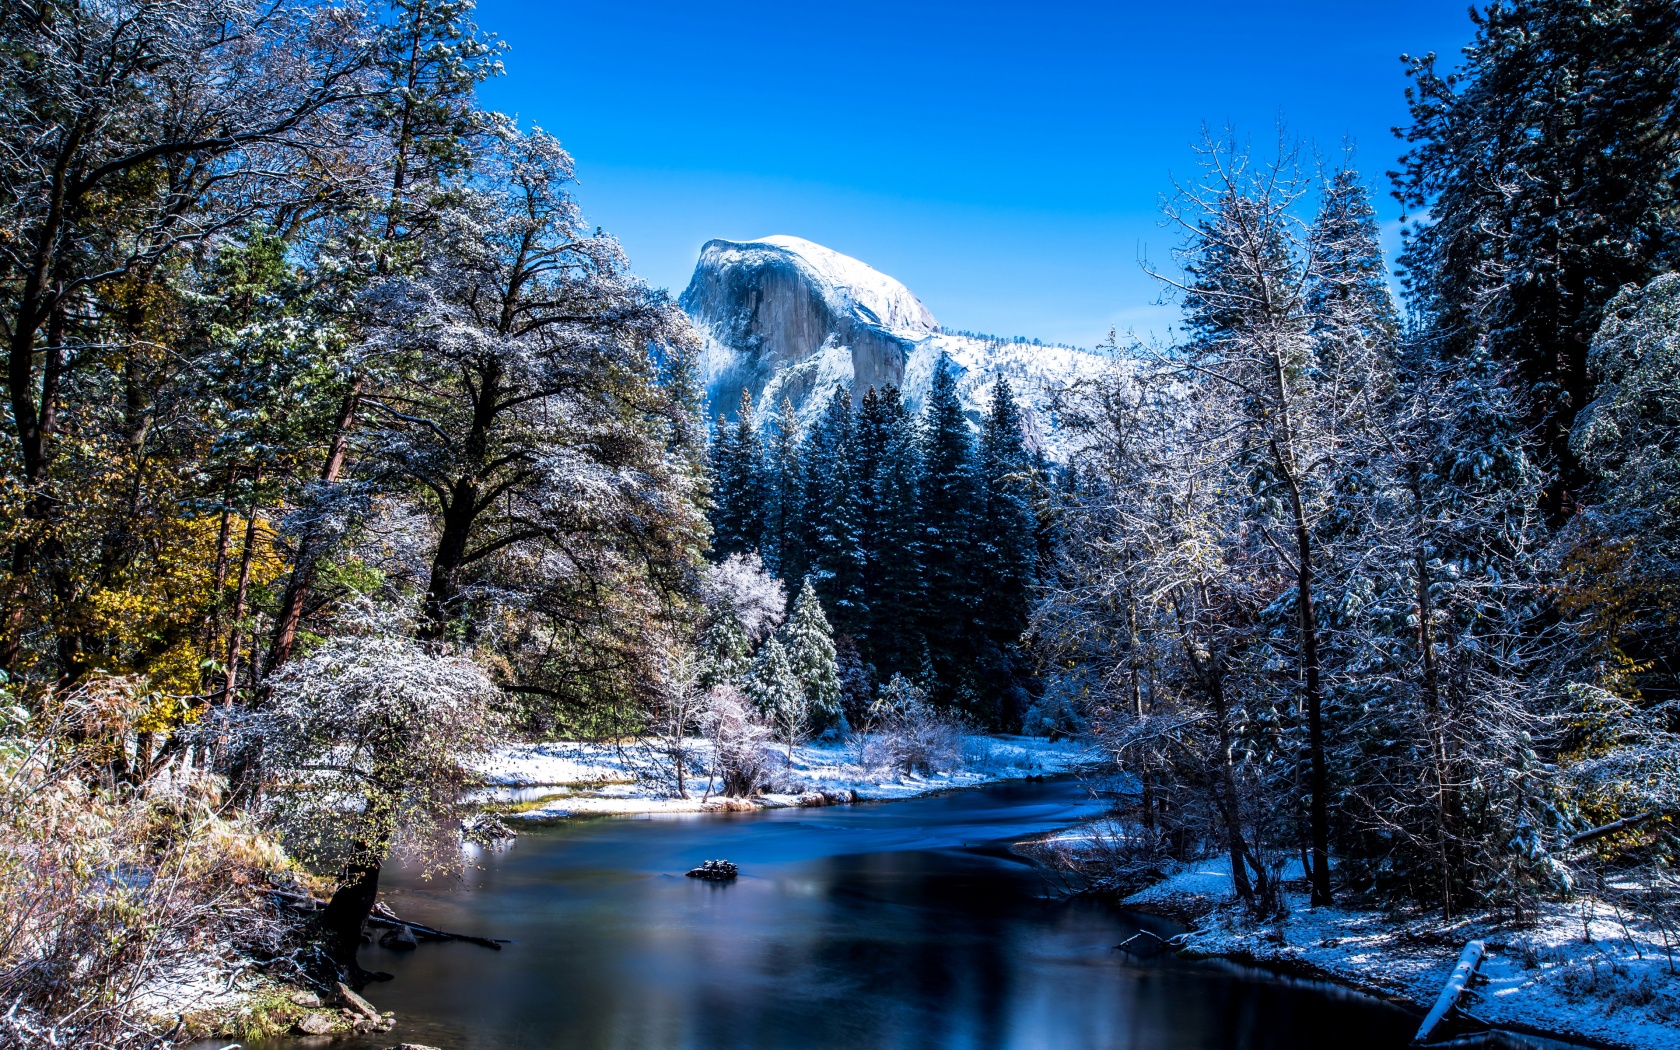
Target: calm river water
x,y
906,925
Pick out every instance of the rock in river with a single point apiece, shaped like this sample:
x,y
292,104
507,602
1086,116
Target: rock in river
x,y
715,871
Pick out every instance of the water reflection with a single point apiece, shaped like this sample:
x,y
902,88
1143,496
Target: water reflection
x,y
896,926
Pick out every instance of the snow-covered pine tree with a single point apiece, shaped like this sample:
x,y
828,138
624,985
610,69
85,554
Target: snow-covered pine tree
x,y
1247,266
810,652
739,488
947,509
1620,586
784,487
1546,168
720,460
778,694
870,435
1004,550
831,541
896,548
725,652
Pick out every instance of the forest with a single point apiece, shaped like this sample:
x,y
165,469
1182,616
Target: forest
x,y
343,451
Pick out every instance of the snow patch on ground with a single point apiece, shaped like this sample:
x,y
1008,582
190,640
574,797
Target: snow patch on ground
x,y
1577,971
577,778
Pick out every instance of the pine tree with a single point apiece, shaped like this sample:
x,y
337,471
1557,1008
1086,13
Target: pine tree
x,y
720,460
831,544
778,694
1004,552
738,470
811,655
784,487
725,652
1546,166
947,505
870,436
896,547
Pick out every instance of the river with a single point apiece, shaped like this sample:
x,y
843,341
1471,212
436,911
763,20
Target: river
x,y
904,925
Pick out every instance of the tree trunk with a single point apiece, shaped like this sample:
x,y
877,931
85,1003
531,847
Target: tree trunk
x,y
1445,804
240,596
342,919
290,613
1319,817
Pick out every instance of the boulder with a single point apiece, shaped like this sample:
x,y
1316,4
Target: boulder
x,y
357,1004
316,1023
399,939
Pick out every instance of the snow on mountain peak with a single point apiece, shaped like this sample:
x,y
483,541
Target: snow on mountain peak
x,y
891,304
786,319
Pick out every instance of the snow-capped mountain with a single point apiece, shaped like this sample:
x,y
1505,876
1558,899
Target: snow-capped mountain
x,y
785,318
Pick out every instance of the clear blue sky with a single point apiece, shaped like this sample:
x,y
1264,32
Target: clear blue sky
x,y
1004,161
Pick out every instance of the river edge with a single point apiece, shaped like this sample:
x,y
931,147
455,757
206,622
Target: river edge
x,y
205,1000
547,782
1577,973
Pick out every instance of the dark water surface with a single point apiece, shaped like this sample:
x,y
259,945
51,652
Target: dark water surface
x,y
904,925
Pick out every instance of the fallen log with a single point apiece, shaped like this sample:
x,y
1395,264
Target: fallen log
x,y
427,933
1157,943
383,917
1625,824
1469,960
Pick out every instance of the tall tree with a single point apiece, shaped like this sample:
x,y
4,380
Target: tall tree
x,y
810,651
1005,546
134,135
947,506
831,542
738,485
429,58
784,527
1547,168
896,548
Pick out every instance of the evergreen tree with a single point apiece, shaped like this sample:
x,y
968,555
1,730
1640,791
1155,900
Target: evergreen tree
x,y
720,460
811,655
1546,166
870,436
778,694
738,492
1004,550
835,556
784,488
725,652
896,547
947,505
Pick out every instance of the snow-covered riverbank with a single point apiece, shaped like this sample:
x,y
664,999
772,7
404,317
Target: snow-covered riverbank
x,y
1577,971
555,780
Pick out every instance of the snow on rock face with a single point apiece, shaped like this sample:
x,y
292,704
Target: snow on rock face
x,y
782,318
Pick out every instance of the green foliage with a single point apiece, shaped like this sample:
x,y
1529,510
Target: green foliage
x,y
810,654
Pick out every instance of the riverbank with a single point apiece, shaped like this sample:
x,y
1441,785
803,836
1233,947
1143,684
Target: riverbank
x,y
1578,971
553,781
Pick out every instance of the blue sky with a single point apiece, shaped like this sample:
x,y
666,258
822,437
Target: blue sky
x,y
1005,161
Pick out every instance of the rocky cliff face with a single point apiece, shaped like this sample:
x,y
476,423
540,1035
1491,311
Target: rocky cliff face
x,y
785,318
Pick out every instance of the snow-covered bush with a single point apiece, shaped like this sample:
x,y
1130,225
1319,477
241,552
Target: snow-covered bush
x,y
779,696
740,741
364,749
105,888
907,733
1056,714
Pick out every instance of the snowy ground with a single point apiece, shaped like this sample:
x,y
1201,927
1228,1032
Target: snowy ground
x,y
565,779
1578,971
